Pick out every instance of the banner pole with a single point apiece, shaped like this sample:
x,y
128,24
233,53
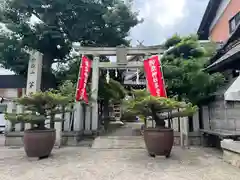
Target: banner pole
x,y
80,68
145,58
161,67
78,79
75,101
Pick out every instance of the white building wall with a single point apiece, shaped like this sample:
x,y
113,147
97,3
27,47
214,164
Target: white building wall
x,y
9,93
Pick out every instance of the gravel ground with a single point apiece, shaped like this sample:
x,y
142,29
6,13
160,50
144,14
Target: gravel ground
x,y
117,161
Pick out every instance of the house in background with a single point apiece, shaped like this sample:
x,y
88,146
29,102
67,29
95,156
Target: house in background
x,y
219,20
12,86
221,24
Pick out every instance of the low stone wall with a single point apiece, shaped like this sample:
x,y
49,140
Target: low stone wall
x,y
194,139
14,139
73,138
68,138
231,152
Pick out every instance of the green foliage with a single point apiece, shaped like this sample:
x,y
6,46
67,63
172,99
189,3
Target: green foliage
x,y
61,22
183,70
143,104
111,91
13,56
128,116
186,47
40,107
68,89
108,91
175,39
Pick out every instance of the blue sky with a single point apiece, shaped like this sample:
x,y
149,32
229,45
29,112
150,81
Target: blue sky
x,y
163,18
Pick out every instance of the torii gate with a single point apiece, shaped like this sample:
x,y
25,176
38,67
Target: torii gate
x,y
122,63
35,72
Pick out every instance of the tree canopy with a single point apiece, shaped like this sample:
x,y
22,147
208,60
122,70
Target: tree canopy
x,y
57,24
143,104
183,69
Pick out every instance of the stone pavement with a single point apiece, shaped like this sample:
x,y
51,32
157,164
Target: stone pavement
x,y
128,129
2,140
116,158
119,142
119,156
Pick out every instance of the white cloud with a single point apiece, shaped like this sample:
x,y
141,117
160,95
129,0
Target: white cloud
x,y
163,12
5,71
163,18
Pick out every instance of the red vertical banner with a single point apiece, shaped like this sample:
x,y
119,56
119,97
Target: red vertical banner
x,y
84,71
154,76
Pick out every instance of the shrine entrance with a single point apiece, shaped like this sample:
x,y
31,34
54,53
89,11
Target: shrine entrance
x,y
121,53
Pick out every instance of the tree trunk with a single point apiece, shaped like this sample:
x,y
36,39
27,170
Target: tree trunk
x,y
106,118
159,122
40,126
52,121
48,79
105,108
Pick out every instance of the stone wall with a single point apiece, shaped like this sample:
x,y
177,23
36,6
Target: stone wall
x,y
222,115
231,152
68,138
194,139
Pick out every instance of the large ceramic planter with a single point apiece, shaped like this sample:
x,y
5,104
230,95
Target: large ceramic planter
x,y
39,143
159,141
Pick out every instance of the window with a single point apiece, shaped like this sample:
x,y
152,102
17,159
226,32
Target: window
x,y
234,22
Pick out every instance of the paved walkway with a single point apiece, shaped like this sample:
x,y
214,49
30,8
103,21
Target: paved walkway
x,y
116,158
2,140
128,129
73,163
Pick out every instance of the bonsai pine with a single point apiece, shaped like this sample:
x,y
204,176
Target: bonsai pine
x,y
143,104
39,107
159,139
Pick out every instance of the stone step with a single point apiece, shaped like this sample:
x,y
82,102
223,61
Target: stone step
x,y
119,142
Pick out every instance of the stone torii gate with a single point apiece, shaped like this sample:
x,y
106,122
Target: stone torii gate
x,y
121,54
35,72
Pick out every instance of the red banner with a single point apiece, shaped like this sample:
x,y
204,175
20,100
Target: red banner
x,y
84,70
154,77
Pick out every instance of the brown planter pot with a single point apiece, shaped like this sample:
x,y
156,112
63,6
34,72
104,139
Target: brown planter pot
x,y
159,141
39,143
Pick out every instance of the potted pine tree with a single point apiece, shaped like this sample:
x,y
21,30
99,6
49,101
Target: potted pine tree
x,y
158,139
39,109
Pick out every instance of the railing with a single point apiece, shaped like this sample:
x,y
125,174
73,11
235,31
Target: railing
x,y
79,122
68,124
75,124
